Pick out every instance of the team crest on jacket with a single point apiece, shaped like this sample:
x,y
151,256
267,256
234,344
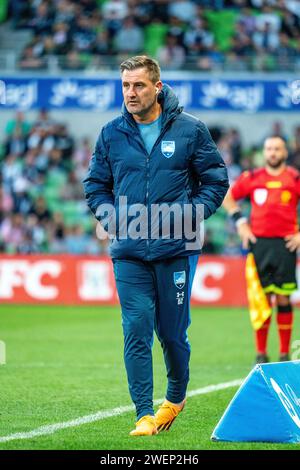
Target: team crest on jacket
x,y
179,279
260,196
168,148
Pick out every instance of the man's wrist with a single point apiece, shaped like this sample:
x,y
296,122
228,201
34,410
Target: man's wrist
x,y
238,218
242,220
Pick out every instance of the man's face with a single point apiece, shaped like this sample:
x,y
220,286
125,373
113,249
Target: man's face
x,y
139,91
275,152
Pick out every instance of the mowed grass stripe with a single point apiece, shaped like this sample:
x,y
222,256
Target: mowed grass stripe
x,y
67,362
100,415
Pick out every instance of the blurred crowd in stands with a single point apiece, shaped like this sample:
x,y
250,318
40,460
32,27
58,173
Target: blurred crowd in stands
x,y
42,206
181,34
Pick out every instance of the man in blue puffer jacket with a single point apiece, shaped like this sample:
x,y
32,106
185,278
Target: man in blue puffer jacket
x,y
152,158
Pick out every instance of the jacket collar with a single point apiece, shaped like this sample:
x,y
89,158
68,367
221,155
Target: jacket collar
x,y
170,109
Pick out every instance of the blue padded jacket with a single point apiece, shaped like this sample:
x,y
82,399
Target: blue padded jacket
x,y
120,166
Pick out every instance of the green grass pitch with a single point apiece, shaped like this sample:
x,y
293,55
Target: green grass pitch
x,y
67,362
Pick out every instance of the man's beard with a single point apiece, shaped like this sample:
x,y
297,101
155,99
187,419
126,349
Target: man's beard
x,y
144,111
276,164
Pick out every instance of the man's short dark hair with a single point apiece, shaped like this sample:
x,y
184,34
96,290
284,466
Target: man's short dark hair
x,y
277,136
142,61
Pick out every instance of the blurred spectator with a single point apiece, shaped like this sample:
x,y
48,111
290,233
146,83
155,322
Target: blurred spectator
x,y
285,53
247,20
57,235
41,160
63,141
176,28
266,39
172,55
83,36
44,121
226,145
41,137
295,141
212,58
235,145
277,129
41,23
129,39
241,48
37,231
184,10
76,240
29,60
268,17
30,170
55,161
241,44
209,248
60,41
290,24
231,247
197,38
82,157
64,12
28,246
89,6
22,201
114,12
160,10
16,143
293,6
102,45
6,202
72,190
17,123
41,211
11,170
295,148
73,61
20,12
142,11
12,231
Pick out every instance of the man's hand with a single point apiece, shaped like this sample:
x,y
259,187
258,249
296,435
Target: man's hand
x,y
293,241
246,234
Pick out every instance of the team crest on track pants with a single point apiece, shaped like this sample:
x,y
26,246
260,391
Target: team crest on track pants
x,y
155,296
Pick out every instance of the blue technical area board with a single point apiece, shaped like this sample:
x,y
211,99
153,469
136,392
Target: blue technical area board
x,y
266,408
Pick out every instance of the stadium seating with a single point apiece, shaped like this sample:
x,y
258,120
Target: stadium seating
x,y
221,24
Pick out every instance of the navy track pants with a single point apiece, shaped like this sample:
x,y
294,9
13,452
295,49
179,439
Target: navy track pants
x,y
155,296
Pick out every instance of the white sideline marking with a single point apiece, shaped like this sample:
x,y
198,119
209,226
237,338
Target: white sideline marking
x,y
52,428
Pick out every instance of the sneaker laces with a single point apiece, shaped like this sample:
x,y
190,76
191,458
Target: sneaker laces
x,y
147,418
173,411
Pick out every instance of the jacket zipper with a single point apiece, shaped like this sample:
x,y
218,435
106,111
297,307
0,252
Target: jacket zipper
x,y
141,142
164,130
159,138
147,204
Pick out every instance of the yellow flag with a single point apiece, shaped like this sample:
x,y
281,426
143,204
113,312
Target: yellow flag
x,y
259,307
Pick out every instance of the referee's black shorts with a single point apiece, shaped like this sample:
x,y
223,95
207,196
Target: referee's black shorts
x,y
276,265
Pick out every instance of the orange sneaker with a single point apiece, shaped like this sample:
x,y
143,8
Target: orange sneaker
x,y
145,427
166,414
